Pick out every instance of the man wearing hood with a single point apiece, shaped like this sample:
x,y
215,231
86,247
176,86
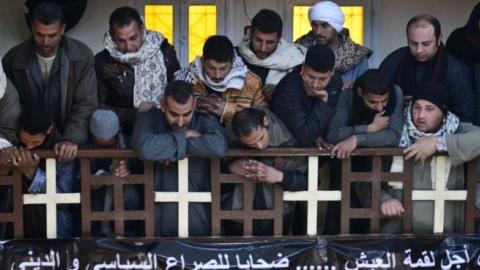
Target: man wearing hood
x,y
223,84
266,53
425,59
464,44
351,59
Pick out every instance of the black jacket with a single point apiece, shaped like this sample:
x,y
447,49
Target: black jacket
x,y
458,83
307,118
116,81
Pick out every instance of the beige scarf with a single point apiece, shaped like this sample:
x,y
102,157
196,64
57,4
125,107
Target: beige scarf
x,y
149,65
285,57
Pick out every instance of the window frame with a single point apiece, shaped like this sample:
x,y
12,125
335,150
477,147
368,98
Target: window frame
x,y
180,20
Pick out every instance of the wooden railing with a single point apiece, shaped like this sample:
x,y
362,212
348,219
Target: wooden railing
x,y
183,197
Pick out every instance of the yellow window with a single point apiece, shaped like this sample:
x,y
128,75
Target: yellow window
x,y
353,21
202,23
160,18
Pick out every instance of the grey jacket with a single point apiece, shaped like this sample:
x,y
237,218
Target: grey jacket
x,y
153,139
78,93
9,113
294,175
339,129
462,147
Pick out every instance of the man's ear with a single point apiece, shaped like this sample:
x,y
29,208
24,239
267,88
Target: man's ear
x,y
49,130
63,28
162,104
265,121
359,91
439,40
302,69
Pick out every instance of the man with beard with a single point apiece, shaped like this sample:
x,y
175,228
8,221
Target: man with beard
x,y
305,99
266,53
223,84
170,135
425,59
369,115
327,19
430,128
134,68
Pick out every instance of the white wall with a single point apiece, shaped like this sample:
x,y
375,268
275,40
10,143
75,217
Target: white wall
x,y
388,28
90,29
391,17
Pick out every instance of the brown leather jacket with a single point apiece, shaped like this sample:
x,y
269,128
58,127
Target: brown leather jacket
x,y
236,99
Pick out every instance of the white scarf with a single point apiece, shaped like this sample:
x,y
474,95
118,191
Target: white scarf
x,y
410,133
235,78
3,82
149,65
285,57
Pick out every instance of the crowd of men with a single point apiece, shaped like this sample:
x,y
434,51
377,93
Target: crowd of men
x,y
265,92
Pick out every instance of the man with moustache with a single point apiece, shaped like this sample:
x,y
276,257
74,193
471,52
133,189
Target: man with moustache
x,y
426,59
223,84
134,68
171,134
351,59
52,70
266,53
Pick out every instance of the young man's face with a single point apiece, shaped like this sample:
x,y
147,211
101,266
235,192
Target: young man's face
x,y
323,32
32,141
426,116
128,38
422,42
263,44
374,102
314,81
216,71
178,115
47,37
257,139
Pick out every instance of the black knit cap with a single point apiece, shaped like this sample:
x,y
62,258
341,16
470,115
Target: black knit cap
x,y
434,93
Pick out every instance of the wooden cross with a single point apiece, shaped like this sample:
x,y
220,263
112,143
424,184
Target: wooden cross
x,y
183,197
51,198
439,194
312,196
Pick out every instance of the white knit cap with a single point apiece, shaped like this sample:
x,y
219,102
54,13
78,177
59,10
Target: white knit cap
x,y
327,11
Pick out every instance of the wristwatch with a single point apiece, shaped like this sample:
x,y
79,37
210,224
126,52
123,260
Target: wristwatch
x,y
440,144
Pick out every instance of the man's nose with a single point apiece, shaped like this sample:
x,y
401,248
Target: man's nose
x,y
263,47
180,122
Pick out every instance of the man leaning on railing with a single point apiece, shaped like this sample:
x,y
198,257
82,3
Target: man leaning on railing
x,y
430,128
259,129
168,136
37,131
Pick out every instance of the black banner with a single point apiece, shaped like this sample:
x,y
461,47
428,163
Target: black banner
x,y
354,252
